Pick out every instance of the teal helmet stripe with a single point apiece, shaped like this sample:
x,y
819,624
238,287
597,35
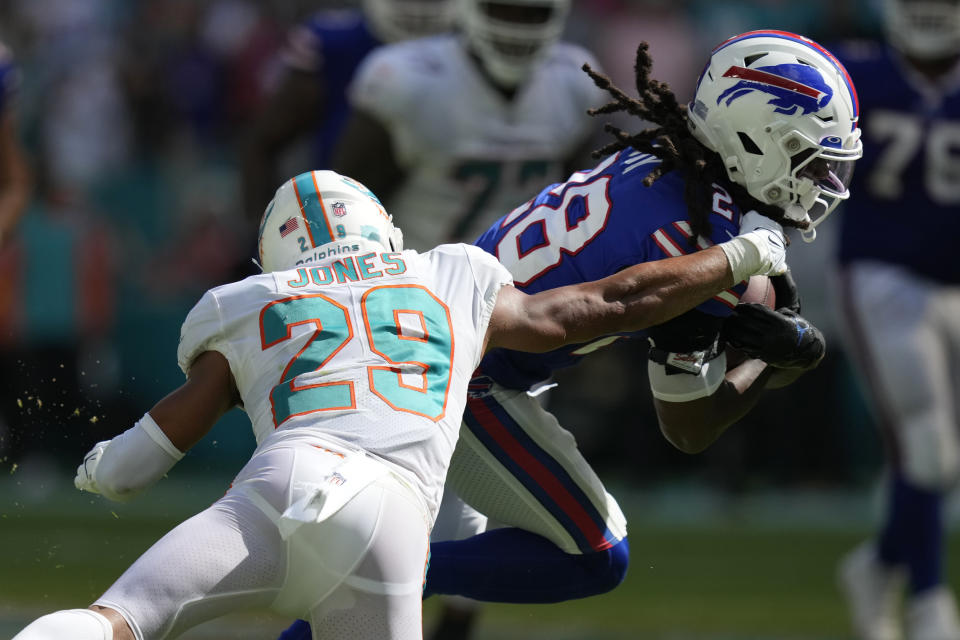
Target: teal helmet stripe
x,y
311,205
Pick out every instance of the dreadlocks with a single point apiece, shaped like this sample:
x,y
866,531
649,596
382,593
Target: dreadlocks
x,y
672,142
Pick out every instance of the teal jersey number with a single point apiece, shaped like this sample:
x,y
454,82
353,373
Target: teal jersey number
x,y
333,331
405,324
427,349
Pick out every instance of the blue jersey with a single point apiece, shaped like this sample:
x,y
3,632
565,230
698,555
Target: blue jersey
x,y
592,226
905,197
331,44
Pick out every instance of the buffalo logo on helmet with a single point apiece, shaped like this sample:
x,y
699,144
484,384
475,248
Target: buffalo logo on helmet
x,y
793,86
339,209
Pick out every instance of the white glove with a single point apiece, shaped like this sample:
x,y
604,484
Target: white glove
x,y
760,249
85,472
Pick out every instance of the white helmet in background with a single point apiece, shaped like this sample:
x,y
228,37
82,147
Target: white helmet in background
x,y
923,29
781,112
396,20
319,214
510,36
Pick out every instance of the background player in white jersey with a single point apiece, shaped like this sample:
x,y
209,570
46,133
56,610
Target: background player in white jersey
x,y
319,60
467,125
899,293
351,359
14,175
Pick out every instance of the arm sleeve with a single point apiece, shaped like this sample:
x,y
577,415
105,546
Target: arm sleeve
x,y
135,460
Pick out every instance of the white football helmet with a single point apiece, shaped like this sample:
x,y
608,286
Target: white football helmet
x,y
510,36
924,29
781,111
396,20
319,214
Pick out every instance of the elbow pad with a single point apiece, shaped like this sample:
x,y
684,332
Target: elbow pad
x,y
685,361
135,460
669,384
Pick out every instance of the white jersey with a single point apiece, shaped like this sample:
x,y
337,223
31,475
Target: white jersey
x,y
471,155
371,350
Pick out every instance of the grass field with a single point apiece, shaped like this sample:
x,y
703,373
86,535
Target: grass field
x,y
710,574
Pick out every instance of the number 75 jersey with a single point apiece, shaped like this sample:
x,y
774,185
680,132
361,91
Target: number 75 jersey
x,y
374,349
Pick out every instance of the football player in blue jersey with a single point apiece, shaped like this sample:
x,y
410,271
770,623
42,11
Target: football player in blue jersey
x,y
899,291
14,175
771,131
321,57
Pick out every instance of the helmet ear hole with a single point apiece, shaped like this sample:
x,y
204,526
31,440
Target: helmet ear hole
x,y
748,144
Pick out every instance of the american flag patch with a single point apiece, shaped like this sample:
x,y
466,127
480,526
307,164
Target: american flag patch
x,y
288,227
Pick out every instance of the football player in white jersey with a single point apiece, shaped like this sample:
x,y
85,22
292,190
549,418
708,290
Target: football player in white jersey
x,y
351,357
466,125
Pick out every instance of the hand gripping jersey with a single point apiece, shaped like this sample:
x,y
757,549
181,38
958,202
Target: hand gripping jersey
x,y
374,350
469,153
598,222
331,44
906,207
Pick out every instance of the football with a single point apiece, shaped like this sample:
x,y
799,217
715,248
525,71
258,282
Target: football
x,y
759,291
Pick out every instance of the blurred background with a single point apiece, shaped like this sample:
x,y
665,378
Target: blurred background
x,y
133,116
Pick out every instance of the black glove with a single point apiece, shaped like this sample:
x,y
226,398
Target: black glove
x,y
781,338
786,292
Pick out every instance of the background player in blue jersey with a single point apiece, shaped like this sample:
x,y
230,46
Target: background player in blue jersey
x,y
772,129
14,175
899,292
320,59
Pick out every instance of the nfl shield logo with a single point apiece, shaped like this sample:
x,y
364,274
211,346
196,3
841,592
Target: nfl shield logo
x,y
339,209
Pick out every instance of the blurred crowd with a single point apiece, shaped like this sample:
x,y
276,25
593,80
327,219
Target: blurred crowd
x,y
134,116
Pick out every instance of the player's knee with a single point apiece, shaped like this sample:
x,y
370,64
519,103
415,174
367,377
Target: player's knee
x,y
930,456
610,566
78,624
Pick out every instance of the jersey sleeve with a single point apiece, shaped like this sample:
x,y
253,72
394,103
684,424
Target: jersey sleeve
x,y
201,331
490,276
384,84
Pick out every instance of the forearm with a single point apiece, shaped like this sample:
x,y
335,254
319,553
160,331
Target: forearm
x,y
133,461
694,426
640,296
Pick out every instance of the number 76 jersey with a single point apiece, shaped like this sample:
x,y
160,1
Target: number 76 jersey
x,y
374,350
